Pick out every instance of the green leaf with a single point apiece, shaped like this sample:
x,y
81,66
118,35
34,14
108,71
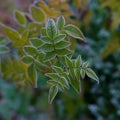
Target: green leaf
x,y
60,22
53,76
62,44
78,61
46,40
32,73
85,64
3,49
10,33
52,93
57,69
64,82
36,42
38,14
51,28
91,74
63,52
28,59
49,56
57,83
47,48
59,38
30,50
82,72
20,17
68,62
74,32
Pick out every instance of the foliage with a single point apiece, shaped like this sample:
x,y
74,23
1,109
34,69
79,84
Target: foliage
x,y
51,46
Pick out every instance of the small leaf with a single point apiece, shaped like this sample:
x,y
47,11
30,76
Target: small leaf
x,y
82,72
59,38
57,69
74,32
27,59
64,82
47,48
78,61
36,42
49,56
63,52
85,64
10,33
60,22
20,17
30,50
51,28
62,44
53,76
32,73
46,40
68,62
90,73
52,93
57,83
37,14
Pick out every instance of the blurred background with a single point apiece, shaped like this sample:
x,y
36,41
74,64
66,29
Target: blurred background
x,y
100,22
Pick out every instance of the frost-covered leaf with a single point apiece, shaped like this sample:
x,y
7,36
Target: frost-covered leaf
x,y
53,76
30,50
68,62
51,28
28,59
47,48
78,61
90,73
49,56
63,52
60,22
82,72
59,38
36,42
46,40
20,17
52,93
62,45
74,32
57,69
85,64
38,14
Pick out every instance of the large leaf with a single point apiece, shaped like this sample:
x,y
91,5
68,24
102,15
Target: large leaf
x,y
90,73
74,32
52,93
37,14
51,28
20,17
